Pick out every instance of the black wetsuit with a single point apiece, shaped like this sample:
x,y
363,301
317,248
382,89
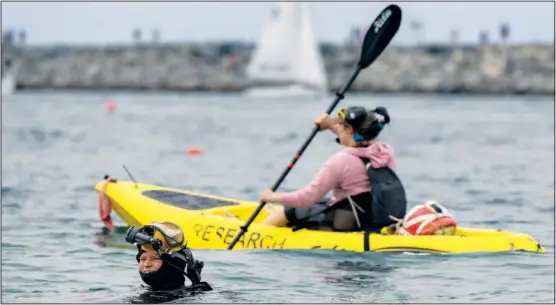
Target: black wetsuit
x,y
158,296
168,283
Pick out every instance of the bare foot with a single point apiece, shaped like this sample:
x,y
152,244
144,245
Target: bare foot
x,y
275,216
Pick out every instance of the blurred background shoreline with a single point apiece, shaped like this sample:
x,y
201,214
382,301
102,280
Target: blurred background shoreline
x,y
220,67
442,48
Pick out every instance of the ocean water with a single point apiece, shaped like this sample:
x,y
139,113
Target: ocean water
x,y
489,160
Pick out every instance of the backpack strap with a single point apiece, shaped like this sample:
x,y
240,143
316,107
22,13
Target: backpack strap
x,y
366,161
368,164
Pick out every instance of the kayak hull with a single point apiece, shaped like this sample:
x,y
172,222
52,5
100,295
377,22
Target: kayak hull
x,y
216,226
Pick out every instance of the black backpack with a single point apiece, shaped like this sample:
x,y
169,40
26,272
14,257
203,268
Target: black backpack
x,y
388,194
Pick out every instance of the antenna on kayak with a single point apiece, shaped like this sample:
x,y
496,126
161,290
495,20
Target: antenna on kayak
x,y
130,176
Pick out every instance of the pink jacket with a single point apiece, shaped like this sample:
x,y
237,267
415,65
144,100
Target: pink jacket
x,y
343,172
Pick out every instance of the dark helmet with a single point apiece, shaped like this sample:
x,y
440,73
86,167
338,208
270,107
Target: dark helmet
x,y
366,124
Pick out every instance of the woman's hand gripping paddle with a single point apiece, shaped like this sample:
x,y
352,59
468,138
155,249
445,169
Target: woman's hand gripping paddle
x,y
378,36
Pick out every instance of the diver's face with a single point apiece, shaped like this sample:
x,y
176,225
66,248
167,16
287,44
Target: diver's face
x,y
149,262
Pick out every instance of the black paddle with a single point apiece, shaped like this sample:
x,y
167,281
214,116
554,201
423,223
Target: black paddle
x,y
378,36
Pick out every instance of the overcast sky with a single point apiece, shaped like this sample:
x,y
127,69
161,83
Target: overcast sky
x,y
105,22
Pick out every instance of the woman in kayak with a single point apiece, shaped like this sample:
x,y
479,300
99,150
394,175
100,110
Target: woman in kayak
x,y
366,191
164,262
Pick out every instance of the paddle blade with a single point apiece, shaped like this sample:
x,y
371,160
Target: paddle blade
x,y
379,35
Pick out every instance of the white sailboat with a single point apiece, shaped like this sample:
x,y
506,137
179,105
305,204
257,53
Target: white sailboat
x,y
287,60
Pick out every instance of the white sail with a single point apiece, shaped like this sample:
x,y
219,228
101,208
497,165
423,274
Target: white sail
x,y
272,58
287,58
310,64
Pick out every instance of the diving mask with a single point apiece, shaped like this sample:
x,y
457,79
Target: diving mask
x,y
165,236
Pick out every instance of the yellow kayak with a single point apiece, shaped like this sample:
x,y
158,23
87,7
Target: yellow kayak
x,y
212,222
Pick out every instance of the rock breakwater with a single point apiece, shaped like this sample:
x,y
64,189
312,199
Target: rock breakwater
x,y
488,69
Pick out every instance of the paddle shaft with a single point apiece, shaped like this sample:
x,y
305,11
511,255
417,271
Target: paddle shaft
x,y
339,97
378,37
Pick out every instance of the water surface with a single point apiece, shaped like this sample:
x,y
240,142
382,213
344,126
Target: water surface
x,y
489,160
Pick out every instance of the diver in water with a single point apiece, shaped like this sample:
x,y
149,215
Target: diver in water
x,y
164,262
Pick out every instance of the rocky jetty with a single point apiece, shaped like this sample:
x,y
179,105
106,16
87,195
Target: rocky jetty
x,y
480,69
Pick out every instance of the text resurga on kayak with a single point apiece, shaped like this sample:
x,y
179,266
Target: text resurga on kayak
x,y
252,240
